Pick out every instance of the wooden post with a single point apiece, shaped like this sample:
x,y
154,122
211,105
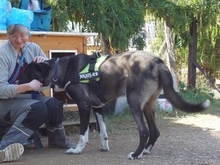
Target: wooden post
x,y
192,55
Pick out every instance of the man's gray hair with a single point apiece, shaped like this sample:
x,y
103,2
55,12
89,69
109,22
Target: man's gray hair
x,y
17,28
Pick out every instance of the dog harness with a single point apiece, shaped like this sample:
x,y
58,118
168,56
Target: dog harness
x,y
91,71
91,74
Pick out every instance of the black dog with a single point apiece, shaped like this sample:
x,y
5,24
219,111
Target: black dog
x,y
140,75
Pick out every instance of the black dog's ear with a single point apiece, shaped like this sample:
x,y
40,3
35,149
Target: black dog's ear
x,y
30,68
44,69
26,75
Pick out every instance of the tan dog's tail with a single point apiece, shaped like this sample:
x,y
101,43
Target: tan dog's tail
x,y
174,98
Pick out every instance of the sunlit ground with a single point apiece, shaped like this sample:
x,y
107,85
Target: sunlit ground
x,y
207,122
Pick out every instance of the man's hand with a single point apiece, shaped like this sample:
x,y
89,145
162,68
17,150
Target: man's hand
x,y
35,85
39,59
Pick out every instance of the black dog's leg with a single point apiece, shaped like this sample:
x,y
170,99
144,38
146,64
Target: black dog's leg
x,y
84,113
101,128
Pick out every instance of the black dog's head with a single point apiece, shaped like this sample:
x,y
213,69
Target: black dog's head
x,y
38,71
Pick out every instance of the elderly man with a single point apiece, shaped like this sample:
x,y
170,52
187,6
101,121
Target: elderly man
x,y
26,114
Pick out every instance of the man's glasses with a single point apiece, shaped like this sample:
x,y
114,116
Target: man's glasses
x,y
15,37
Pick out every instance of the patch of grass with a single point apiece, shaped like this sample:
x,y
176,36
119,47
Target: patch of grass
x,y
70,115
199,95
214,107
195,95
120,123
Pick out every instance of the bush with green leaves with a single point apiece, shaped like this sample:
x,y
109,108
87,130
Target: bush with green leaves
x,y
195,95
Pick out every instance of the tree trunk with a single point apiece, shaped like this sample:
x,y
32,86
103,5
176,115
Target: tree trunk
x,y
106,47
192,55
170,46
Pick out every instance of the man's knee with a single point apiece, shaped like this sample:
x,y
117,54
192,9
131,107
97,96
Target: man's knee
x,y
54,105
55,112
36,116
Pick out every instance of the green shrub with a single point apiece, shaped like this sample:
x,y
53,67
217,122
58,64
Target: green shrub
x,y
195,95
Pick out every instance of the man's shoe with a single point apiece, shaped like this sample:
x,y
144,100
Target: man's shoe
x,y
68,145
11,152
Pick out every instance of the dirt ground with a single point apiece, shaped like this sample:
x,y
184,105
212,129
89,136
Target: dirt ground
x,y
192,140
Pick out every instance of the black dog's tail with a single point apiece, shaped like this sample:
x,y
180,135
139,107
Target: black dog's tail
x,y
173,97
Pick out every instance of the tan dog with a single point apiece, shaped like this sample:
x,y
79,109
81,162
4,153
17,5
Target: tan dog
x,y
140,75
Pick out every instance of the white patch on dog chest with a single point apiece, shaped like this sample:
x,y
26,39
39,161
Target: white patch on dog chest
x,y
58,89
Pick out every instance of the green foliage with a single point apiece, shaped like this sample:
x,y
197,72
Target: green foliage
x,y
116,21
182,13
208,49
139,40
59,15
214,108
195,95
158,41
15,3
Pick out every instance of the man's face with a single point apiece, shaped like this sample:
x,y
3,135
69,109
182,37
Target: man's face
x,y
18,40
